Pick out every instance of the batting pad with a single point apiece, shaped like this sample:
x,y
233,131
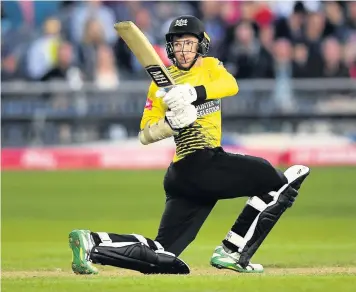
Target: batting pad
x,y
265,221
135,252
139,257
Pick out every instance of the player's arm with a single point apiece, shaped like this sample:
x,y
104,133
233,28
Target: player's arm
x,y
157,123
222,85
154,126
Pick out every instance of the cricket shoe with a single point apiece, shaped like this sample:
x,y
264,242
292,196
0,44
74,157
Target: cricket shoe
x,y
81,243
224,260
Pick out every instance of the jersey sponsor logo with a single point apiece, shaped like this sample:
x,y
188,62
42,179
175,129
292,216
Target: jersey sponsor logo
x,y
158,76
208,107
181,22
148,104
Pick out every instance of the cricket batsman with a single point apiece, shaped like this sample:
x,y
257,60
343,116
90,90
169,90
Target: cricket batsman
x,y
201,172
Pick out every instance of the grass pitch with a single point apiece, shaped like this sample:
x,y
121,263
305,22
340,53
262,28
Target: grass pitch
x,y
311,249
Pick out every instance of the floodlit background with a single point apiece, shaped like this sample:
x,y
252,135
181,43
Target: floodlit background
x,y
295,63
72,96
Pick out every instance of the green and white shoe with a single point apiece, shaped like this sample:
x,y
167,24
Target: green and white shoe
x,y
223,260
81,243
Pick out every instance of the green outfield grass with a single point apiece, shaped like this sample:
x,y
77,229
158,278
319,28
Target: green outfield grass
x,y
317,236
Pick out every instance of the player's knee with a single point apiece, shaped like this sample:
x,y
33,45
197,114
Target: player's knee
x,y
261,161
273,178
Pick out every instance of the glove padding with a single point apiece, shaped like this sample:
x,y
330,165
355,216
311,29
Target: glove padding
x,y
178,97
182,118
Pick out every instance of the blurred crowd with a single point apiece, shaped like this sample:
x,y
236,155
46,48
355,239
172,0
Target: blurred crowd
x,y
70,40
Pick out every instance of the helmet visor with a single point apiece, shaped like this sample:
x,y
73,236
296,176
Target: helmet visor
x,y
185,51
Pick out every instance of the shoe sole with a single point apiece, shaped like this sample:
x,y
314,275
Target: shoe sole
x,y
220,267
78,254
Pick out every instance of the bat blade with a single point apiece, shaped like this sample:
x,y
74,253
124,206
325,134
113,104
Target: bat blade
x,y
144,52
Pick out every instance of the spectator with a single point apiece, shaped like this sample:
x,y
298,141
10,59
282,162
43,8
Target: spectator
x,y
351,13
124,56
214,25
41,56
231,25
246,14
248,10
161,18
264,66
349,56
30,14
143,21
335,21
243,52
292,27
106,74
9,68
262,14
301,65
230,12
87,52
283,95
314,33
161,14
123,10
6,23
283,9
88,10
282,57
332,55
65,68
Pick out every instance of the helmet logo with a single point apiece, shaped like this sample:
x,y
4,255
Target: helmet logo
x,y
181,22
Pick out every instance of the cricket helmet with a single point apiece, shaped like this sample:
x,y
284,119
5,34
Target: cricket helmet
x,y
190,25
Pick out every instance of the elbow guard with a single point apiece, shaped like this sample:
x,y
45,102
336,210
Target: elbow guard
x,y
156,132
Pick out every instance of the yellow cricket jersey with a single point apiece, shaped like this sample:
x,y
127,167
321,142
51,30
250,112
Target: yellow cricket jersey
x,y
212,82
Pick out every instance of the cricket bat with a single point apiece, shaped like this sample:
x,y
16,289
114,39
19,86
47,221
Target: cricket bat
x,y
144,52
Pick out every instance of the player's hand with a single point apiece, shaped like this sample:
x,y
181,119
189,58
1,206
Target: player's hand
x,y
178,97
182,118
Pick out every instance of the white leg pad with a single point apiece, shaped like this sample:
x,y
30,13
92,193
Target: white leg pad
x,y
235,239
252,228
275,195
257,203
295,171
141,238
292,174
117,244
104,237
158,245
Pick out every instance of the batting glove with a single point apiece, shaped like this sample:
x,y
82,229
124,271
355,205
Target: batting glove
x,y
182,118
178,97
